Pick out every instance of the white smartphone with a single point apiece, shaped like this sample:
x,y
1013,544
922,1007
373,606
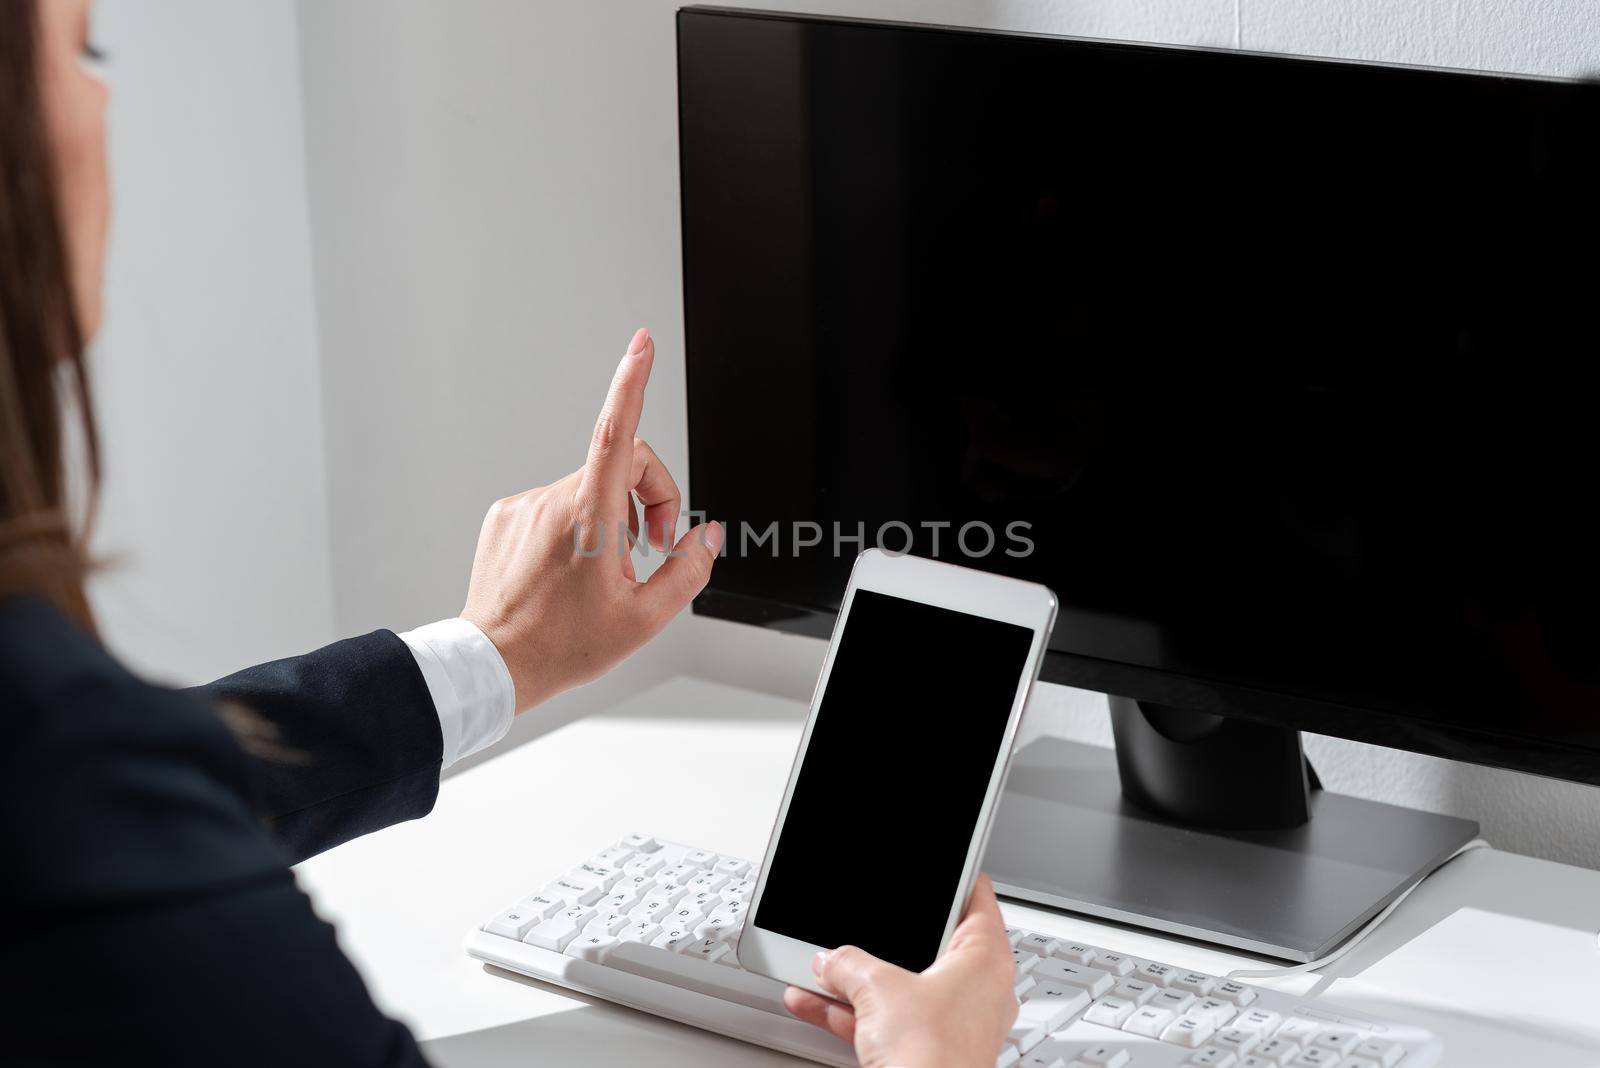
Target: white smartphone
x,y
900,767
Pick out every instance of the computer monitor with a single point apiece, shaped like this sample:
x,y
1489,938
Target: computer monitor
x,y
1280,372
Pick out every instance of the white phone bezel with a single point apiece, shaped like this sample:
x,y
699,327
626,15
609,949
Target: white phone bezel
x,y
944,585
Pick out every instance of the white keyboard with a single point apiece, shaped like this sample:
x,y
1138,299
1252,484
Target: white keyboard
x,y
654,925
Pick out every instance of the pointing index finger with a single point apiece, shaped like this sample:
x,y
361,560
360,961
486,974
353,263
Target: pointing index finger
x,y
605,472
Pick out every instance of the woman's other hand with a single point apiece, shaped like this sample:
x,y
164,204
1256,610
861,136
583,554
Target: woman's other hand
x,y
564,611
954,1015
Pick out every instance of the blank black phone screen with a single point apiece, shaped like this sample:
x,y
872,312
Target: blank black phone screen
x,y
891,786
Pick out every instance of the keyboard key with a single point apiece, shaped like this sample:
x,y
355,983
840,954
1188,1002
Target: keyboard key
x,y
1277,1050
732,867
1014,935
1260,1021
734,910
1252,1061
1106,1056
607,923
1042,945
1135,990
1156,974
644,864
708,949
705,902
573,893
1042,1057
1358,1062
717,927
1148,1022
1340,1040
541,905
1212,1057
591,947
1023,961
1188,1032
687,913
618,902
1383,1051
1315,1058
637,885
1021,987
1195,983
1052,1011
554,933
579,914
674,939
513,923
1072,999
1214,1011
1110,1011
675,874
1237,993
1117,964
1008,1056
1096,982
639,931
703,859
1240,1041
1077,953
594,875
615,857
707,881
1176,1002
681,922
653,908
640,843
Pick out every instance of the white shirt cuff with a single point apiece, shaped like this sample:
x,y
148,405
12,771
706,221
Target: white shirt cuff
x,y
468,681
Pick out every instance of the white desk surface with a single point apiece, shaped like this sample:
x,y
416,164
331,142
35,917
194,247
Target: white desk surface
x,y
1498,953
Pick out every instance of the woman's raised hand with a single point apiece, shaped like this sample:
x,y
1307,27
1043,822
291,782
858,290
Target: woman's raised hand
x,y
553,584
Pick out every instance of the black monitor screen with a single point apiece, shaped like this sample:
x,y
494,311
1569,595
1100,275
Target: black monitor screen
x,y
1280,373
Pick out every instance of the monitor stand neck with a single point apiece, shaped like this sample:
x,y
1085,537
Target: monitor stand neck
x,y
1206,827
1211,771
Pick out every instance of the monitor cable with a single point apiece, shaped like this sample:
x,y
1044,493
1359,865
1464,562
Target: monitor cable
x,y
1357,938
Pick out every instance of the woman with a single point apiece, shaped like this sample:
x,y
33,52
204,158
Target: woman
x,y
152,917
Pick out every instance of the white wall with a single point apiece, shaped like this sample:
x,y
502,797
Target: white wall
x,y
1560,37
214,517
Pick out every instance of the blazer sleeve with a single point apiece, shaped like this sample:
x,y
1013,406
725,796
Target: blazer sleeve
x,y
350,740
151,920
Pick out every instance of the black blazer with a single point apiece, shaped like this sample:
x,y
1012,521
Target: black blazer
x,y
149,913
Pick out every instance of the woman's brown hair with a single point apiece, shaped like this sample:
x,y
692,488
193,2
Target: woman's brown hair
x,y
42,372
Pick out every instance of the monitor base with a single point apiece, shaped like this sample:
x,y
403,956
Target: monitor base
x,y
1064,836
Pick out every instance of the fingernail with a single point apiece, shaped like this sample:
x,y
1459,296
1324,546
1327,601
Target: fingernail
x,y
636,346
714,538
819,962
